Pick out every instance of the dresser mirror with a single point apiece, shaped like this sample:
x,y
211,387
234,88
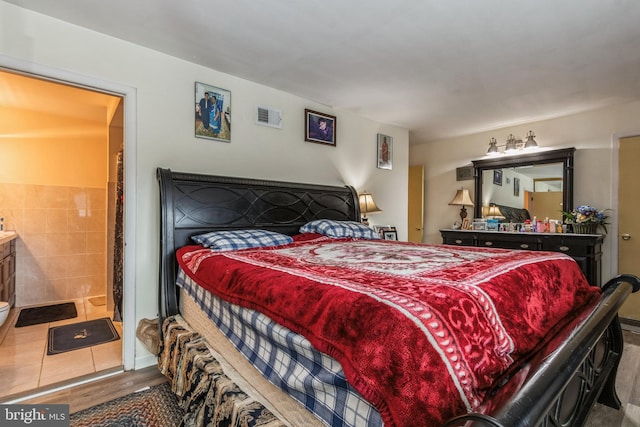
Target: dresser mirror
x,y
523,186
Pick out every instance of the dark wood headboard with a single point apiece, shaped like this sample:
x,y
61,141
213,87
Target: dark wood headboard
x,y
192,204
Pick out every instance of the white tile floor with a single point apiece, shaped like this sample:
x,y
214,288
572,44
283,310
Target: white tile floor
x,y
25,366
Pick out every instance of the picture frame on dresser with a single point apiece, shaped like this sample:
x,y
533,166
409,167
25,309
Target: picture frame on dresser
x,y
381,229
479,225
390,235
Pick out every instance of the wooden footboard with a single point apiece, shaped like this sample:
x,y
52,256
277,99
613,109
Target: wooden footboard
x,y
561,383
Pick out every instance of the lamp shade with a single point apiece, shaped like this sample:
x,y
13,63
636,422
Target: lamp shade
x,y
367,205
494,211
461,198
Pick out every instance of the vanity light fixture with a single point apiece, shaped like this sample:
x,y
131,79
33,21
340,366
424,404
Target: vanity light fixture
x,y
513,145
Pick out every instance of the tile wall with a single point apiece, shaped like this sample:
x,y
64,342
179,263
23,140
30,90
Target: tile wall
x,y
61,248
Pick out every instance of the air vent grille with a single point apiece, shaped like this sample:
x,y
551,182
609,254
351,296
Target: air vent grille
x,y
268,117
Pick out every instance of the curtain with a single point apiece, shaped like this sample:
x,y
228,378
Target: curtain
x,y
118,251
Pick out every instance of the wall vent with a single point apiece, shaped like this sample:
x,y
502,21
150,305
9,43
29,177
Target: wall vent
x,y
268,117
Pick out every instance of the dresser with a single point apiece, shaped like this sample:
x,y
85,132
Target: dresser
x,y
586,249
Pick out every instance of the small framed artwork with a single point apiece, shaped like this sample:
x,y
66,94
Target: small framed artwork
x,y
497,177
464,173
385,152
466,224
319,127
516,187
380,229
390,235
213,113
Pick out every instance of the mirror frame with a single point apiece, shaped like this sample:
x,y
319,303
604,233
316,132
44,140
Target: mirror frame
x,y
564,156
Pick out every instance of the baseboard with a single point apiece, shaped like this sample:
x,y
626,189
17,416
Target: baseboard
x,y
145,361
630,324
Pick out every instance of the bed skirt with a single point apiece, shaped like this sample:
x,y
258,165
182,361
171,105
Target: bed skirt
x,y
206,394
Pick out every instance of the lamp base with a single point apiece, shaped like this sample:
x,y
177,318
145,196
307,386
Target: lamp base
x,y
365,220
463,213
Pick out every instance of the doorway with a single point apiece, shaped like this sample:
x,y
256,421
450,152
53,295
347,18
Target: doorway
x,y
55,180
416,204
628,225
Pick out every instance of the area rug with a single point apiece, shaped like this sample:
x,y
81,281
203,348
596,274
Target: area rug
x,y
80,335
46,314
153,407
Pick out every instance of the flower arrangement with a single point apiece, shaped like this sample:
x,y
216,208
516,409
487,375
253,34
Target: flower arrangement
x,y
586,219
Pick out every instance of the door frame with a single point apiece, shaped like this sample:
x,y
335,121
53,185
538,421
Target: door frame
x,y
130,101
615,181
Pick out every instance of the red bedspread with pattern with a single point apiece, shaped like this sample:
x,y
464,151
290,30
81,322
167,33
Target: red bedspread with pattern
x,y
422,331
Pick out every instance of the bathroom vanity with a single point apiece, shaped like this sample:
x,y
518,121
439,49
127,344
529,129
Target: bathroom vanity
x,y
8,267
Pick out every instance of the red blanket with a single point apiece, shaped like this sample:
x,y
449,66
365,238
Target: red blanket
x,y
422,331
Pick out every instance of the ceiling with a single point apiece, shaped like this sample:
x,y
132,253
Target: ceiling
x,y
438,68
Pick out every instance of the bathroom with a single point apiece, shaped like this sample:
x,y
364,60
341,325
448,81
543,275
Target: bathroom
x,y
59,157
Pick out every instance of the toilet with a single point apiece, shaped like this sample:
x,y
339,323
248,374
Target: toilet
x,y
4,312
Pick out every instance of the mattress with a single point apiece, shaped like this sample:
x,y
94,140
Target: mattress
x,y
239,336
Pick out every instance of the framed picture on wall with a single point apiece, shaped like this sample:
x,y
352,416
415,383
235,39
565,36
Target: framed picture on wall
x,y
213,113
497,177
464,173
516,187
319,127
385,152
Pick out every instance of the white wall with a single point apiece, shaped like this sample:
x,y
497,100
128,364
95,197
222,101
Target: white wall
x,y
593,134
164,116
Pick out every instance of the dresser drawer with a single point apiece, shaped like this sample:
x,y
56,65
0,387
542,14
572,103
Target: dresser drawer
x,y
508,244
466,240
569,247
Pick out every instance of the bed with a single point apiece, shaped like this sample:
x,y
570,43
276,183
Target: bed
x,y
515,215
553,381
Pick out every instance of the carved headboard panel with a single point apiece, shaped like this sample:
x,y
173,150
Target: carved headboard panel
x,y
193,204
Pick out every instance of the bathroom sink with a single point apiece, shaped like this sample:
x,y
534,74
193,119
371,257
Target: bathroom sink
x,y
7,235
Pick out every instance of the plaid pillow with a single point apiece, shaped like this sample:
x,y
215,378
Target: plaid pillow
x,y
241,239
333,228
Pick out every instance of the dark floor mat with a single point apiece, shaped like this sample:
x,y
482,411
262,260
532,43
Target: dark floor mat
x,y
46,314
80,335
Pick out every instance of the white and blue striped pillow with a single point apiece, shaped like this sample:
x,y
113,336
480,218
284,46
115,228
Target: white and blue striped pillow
x,y
332,228
241,239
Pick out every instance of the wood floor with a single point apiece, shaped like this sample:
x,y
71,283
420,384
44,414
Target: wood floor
x,y
628,386
96,392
